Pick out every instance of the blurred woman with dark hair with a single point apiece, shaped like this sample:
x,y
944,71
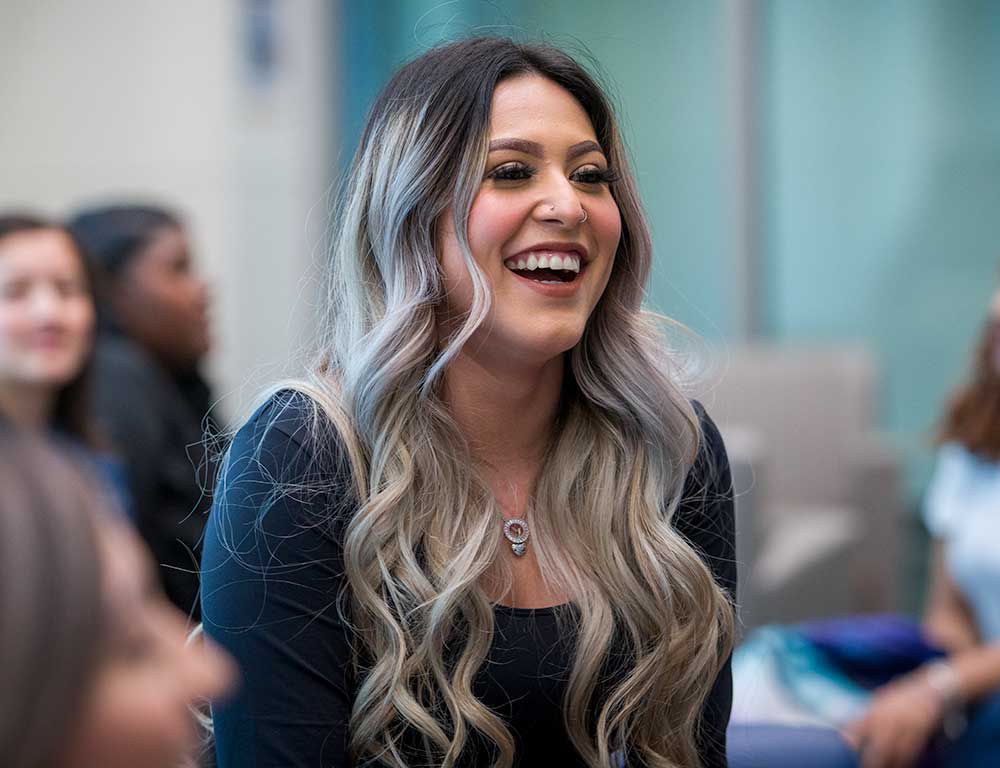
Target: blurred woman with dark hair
x,y
46,329
902,692
95,666
962,616
148,393
972,419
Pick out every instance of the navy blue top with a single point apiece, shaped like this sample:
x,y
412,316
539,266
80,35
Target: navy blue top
x,y
272,568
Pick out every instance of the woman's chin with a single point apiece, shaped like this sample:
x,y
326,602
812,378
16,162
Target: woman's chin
x,y
540,348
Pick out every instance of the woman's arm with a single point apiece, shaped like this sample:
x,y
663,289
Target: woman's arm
x,y
271,576
706,519
948,621
904,714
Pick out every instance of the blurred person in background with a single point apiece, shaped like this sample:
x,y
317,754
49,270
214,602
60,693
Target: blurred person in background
x,y
47,325
95,667
46,329
148,393
902,693
962,617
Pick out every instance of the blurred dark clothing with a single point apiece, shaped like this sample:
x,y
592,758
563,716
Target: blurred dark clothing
x,y
156,420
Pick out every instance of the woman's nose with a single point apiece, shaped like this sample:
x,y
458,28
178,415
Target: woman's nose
x,y
559,203
46,304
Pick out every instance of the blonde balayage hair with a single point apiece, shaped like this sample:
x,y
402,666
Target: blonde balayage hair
x,y
424,534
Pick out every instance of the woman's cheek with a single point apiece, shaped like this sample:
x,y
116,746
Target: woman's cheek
x,y
606,223
493,221
134,719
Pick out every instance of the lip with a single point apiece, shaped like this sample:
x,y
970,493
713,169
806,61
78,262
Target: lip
x,y
554,290
47,340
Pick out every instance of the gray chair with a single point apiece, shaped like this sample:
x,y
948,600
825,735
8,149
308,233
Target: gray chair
x,y
819,509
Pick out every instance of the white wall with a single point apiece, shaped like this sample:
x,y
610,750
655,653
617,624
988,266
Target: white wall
x,y
109,99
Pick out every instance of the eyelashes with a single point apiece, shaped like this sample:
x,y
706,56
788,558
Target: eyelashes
x,y
512,172
522,172
596,176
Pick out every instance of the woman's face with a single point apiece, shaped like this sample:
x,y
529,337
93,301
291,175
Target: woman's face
x,y
137,712
46,309
163,303
544,202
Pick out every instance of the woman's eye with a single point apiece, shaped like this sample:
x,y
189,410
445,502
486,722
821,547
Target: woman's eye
x,y
13,291
512,172
595,175
70,288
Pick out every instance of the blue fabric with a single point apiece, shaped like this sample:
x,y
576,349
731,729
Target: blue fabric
x,y
786,746
962,509
979,745
106,468
112,472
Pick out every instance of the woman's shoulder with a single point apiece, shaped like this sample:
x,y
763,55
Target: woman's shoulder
x,y
959,477
953,457
705,515
292,439
292,416
710,469
285,474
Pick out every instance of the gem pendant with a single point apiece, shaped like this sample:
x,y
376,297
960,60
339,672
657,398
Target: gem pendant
x,y
515,531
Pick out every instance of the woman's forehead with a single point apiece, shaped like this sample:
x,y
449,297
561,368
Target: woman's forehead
x,y
532,107
39,250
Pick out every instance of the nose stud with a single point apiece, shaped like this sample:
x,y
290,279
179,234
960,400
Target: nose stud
x,y
582,219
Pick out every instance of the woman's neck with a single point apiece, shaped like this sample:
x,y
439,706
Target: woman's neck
x,y
26,406
506,413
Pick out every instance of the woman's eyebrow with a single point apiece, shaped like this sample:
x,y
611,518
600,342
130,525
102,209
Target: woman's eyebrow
x,y
537,150
582,148
518,145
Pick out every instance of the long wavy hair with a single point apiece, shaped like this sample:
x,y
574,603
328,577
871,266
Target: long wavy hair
x,y
972,416
424,534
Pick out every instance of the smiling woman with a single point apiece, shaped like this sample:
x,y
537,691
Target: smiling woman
x,y
46,328
545,200
487,528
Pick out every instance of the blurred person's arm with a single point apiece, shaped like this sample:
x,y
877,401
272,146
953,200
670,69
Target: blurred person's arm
x,y
948,620
904,714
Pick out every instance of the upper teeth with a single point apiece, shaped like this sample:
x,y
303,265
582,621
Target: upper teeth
x,y
569,262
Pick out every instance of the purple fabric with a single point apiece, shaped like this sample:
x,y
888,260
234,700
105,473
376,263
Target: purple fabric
x,y
871,650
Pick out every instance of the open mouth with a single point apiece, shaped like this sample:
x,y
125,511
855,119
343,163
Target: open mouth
x,y
547,267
